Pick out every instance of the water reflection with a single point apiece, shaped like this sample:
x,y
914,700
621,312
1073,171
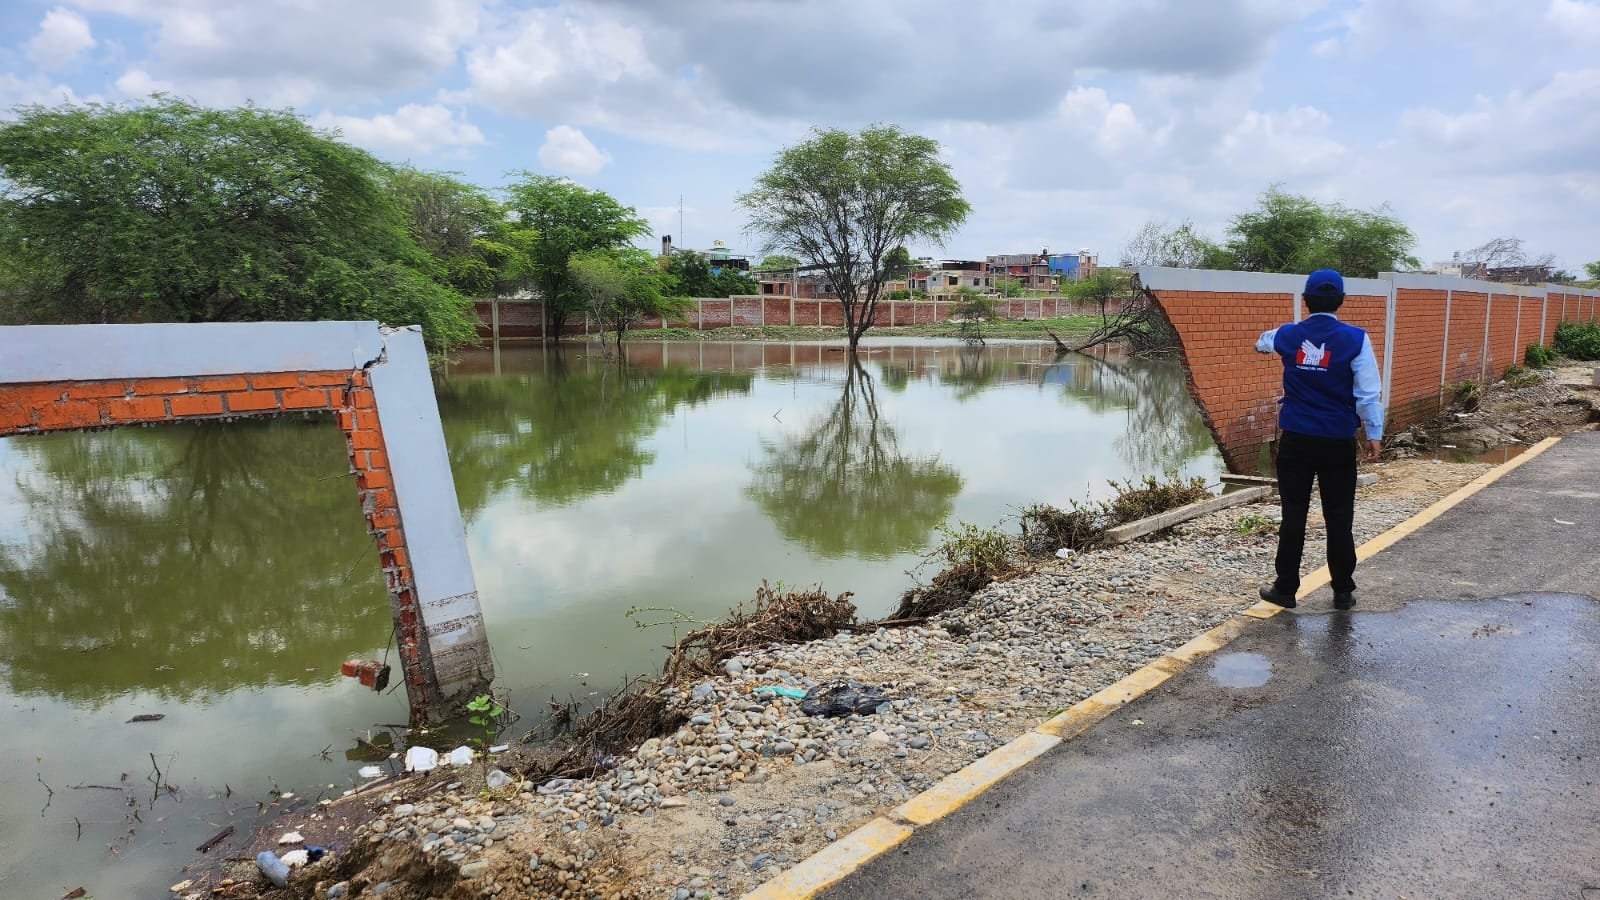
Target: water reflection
x,y
576,429
1163,429
845,487
184,561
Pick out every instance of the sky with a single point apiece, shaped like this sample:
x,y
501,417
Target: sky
x,y
1068,123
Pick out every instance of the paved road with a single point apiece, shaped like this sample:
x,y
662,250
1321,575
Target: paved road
x,y
1443,740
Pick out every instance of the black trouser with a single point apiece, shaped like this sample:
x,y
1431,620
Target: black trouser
x,y
1333,462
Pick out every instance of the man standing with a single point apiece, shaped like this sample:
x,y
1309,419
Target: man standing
x,y
1330,385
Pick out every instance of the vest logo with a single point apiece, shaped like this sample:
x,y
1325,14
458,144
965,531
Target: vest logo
x,y
1311,356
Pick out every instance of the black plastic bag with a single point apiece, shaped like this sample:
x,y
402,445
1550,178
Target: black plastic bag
x,y
842,698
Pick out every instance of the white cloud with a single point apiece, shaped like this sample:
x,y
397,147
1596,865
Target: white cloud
x,y
63,34
136,83
297,52
567,152
1579,20
411,130
1553,128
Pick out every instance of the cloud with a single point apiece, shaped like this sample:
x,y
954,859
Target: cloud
x,y
1551,129
63,34
411,130
567,152
300,53
137,83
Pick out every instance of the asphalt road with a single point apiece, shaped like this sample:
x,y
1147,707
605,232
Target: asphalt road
x,y
1442,740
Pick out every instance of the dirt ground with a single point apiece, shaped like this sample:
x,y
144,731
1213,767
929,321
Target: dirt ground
x,y
1520,411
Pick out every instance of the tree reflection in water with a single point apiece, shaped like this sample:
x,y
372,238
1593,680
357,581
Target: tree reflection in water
x,y
844,488
186,560
565,435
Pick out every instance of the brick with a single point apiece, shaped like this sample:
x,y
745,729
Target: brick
x,y
361,398
14,417
69,414
390,538
252,401
150,386
377,459
379,497
305,399
362,439
221,383
374,479
347,420
31,395
196,405
275,380
97,390
325,379
359,378
136,409
385,518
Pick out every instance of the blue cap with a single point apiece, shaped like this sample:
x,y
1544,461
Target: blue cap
x,y
1324,283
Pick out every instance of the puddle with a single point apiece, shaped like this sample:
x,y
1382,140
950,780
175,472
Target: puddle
x,y
1495,455
1241,670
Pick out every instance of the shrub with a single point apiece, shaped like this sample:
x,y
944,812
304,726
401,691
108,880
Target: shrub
x,y
1468,395
1578,340
1256,523
1540,357
1137,501
1046,528
983,550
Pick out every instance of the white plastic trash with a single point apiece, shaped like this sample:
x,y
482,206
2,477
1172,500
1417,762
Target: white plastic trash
x,y
291,837
371,772
294,859
497,780
421,759
276,870
461,756
1063,553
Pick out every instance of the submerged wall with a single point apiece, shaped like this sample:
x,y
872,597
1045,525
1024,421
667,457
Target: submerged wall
x,y
377,385
1430,332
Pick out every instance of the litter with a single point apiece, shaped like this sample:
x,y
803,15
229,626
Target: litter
x,y
370,772
421,759
276,870
497,780
781,690
558,786
1563,522
460,756
499,748
1063,553
294,859
291,837
843,698
369,672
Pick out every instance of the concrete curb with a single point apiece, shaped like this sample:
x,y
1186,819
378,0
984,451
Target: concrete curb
x,y
834,862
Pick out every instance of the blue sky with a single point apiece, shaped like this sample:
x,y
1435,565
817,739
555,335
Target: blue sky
x,y
1070,123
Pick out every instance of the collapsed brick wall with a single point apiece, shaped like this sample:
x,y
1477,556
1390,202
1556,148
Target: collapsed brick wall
x,y
70,405
1443,335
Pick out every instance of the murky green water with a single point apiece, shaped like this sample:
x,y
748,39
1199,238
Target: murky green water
x,y
217,574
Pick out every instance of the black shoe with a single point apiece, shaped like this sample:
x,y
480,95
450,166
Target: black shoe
x,y
1271,594
1344,599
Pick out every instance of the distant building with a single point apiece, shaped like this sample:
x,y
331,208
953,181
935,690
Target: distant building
x,y
1030,270
947,278
1074,266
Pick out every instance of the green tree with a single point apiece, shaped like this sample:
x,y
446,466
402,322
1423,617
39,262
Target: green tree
x,y
1180,247
1291,233
777,261
620,288
477,249
691,276
567,219
897,263
168,212
1594,270
1009,287
842,201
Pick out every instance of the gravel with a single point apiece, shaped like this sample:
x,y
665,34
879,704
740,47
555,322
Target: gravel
x,y
751,786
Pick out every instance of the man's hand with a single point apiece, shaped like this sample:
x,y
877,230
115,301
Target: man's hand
x,y
1372,451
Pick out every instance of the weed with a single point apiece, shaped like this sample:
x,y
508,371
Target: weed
x,y
1578,340
973,558
1046,528
984,550
1138,501
1255,523
1468,395
1518,377
775,616
1540,357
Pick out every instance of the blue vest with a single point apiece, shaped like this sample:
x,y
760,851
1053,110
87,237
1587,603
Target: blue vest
x,y
1318,381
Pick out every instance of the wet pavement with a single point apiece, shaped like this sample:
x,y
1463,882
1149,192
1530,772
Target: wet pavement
x,y
1442,740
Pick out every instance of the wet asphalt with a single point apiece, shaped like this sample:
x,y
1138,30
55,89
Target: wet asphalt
x,y
1441,740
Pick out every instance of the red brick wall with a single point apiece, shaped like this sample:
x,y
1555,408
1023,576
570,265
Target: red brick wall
x,y
1237,389
57,406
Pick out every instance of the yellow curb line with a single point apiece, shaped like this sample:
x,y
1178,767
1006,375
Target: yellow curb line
x,y
828,866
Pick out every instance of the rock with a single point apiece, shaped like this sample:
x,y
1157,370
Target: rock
x,y
733,667
403,811
291,837
880,737
917,743
338,890
475,869
726,801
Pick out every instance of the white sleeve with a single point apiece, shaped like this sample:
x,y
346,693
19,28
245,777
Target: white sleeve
x,y
1264,344
1368,390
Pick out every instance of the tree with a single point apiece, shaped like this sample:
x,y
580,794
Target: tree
x,y
477,249
1503,257
691,276
898,263
1291,233
620,288
1180,247
1009,287
842,201
169,212
1593,269
777,262
567,219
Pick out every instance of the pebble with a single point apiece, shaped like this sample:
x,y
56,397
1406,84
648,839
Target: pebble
x,y
973,678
